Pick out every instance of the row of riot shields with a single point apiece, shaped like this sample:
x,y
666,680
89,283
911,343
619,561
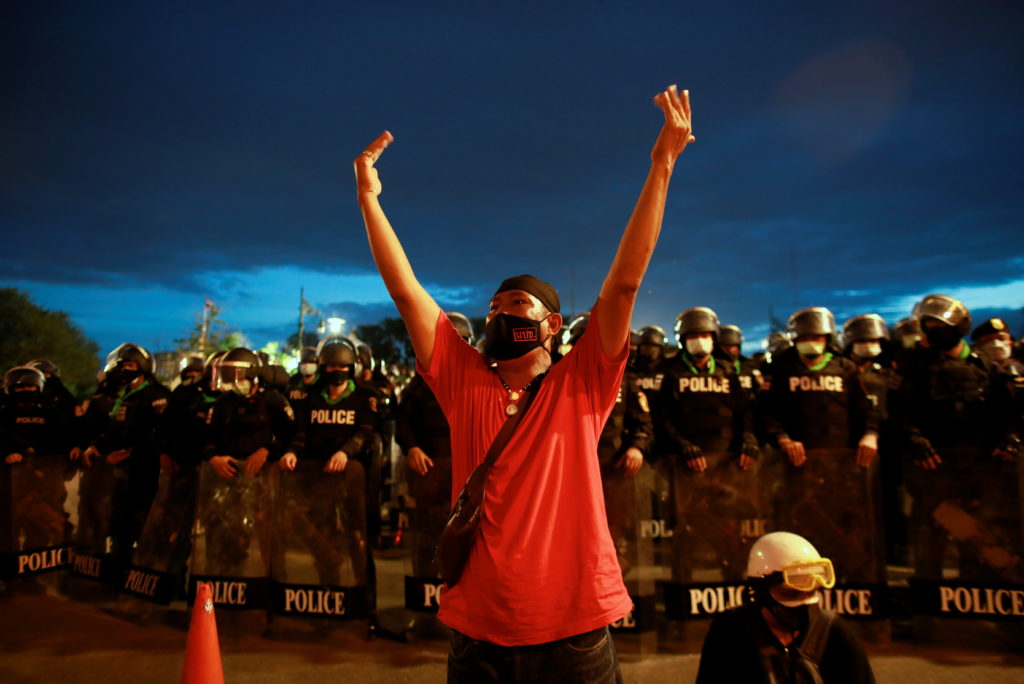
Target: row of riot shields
x,y
683,538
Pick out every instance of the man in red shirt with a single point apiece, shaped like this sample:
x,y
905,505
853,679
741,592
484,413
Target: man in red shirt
x,y
542,581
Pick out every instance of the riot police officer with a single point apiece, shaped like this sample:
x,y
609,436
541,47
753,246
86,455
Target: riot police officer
x,y
866,342
818,414
129,440
334,427
703,413
729,349
34,445
964,444
54,388
815,399
422,433
248,423
301,382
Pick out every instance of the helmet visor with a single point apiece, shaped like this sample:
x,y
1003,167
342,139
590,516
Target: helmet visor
x,y
809,575
230,373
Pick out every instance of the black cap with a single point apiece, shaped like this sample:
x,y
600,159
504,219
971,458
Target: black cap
x,y
547,294
992,326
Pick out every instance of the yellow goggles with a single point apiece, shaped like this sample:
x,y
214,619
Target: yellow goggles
x,y
809,575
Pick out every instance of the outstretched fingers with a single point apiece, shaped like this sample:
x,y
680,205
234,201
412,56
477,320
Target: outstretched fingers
x,y
376,148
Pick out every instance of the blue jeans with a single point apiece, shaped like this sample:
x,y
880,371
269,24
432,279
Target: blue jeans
x,y
587,658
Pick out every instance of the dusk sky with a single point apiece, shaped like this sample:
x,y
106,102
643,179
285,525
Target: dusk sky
x,y
850,155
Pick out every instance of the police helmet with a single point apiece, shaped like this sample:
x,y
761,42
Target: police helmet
x,y
45,366
777,342
276,377
572,333
365,356
337,351
696,319
729,335
130,352
211,363
945,309
652,334
191,364
237,365
462,325
23,376
905,327
814,320
864,328
307,355
789,560
634,338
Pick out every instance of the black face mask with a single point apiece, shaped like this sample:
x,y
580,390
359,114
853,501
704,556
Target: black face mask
x,y
336,377
944,338
120,376
509,337
793,618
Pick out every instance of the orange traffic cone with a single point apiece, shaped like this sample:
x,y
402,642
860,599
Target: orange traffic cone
x,y
202,649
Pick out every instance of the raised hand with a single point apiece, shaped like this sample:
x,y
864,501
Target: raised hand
x,y
677,132
367,181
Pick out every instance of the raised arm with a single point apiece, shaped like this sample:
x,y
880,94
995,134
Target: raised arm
x,y
621,285
417,308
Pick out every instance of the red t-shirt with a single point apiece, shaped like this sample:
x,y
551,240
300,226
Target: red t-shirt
x,y
543,566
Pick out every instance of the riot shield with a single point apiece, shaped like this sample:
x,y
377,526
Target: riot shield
x,y
94,561
319,569
628,505
431,494
37,525
720,513
966,536
835,504
158,565
231,544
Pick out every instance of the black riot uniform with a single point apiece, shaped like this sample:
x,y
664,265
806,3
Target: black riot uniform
x,y
748,371
866,343
242,425
703,413
824,408
55,390
420,424
964,443
131,431
300,383
34,445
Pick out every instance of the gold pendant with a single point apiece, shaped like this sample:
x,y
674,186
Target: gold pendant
x,y
511,409
513,395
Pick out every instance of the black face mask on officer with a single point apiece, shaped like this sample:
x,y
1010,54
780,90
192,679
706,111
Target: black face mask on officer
x,y
943,337
123,376
337,377
793,618
509,337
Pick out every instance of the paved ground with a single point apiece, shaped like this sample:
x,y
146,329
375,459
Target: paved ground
x,y
45,638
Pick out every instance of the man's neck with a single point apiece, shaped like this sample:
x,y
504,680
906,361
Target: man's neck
x,y
136,382
334,391
520,372
785,635
701,361
956,351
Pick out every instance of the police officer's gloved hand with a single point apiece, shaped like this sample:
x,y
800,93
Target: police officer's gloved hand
x,y
751,448
923,452
1009,449
694,457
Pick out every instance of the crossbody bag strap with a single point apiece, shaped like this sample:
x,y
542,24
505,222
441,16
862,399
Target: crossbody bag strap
x,y
509,426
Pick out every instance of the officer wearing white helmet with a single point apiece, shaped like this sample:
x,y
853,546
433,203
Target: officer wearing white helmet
x,y
781,634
